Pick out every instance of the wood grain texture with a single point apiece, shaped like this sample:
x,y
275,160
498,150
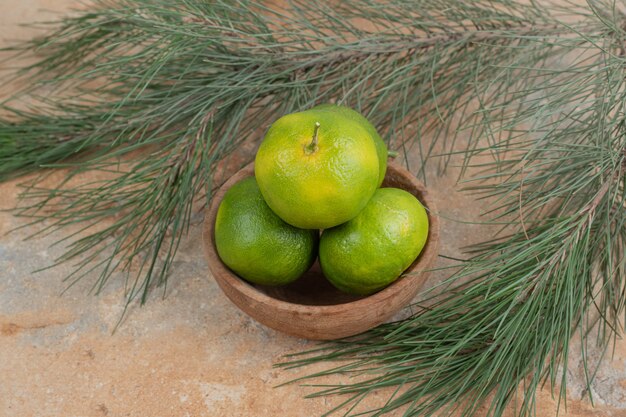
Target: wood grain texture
x,y
310,307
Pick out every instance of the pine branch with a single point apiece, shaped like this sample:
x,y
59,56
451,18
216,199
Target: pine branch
x,y
510,324
156,96
507,316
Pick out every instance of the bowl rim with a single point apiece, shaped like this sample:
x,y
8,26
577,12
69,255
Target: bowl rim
x,y
220,271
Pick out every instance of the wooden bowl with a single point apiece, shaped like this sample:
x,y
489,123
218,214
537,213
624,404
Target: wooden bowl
x,y
311,307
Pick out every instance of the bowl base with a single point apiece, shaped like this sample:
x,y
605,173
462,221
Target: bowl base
x,y
312,289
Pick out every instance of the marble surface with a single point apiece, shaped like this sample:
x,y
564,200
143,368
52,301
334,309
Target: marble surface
x,y
189,352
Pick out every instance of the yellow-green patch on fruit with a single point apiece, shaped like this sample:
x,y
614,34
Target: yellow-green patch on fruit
x,y
381,147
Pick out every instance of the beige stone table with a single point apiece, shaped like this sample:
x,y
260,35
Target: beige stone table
x,y
191,353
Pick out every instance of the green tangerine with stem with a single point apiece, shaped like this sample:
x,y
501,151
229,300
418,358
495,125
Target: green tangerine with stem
x,y
318,179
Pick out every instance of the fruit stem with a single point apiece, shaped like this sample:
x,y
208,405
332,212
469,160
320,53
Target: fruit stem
x,y
312,147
